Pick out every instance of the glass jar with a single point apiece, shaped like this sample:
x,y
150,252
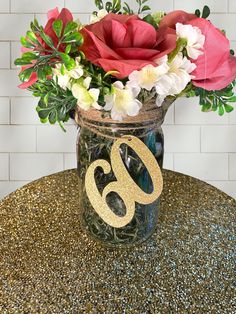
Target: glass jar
x,y
95,139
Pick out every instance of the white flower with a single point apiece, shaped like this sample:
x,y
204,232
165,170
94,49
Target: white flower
x,y
122,102
77,72
64,80
194,38
177,78
147,77
97,17
86,98
161,60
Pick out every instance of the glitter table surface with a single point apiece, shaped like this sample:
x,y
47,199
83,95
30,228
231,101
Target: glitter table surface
x,y
48,265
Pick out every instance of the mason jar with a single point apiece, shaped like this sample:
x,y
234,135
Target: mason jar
x,y
96,136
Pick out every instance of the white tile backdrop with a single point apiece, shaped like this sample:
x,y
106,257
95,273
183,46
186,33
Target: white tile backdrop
x,y
202,145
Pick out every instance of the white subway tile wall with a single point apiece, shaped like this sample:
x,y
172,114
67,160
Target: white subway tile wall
x,y
200,144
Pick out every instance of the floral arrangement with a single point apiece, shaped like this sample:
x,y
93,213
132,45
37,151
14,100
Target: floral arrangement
x,y
123,59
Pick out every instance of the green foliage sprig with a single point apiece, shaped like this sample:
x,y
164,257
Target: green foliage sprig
x,y
116,5
109,6
42,58
205,12
55,104
217,100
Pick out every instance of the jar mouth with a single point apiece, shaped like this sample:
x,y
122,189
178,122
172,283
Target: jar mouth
x,y
150,114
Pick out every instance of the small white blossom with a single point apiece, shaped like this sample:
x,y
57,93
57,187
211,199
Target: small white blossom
x,y
177,78
97,17
64,80
86,98
194,39
161,60
122,102
147,77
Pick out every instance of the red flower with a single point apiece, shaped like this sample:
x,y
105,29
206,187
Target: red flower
x,y
125,43
53,15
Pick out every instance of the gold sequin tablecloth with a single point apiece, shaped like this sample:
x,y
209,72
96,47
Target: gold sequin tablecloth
x,y
48,265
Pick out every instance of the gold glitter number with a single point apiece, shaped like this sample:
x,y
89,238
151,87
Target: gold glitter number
x,y
124,185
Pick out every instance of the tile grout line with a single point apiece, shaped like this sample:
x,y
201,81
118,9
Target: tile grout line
x,y
9,166
228,167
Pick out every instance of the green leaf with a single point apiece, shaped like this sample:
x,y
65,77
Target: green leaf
x,y
25,43
63,69
215,104
65,58
68,61
31,35
47,39
232,52
48,69
44,120
20,61
198,13
232,99
99,4
34,25
228,108
62,113
29,56
57,27
45,98
41,74
75,37
150,20
70,27
43,113
206,12
145,8
52,117
68,49
25,75
42,104
71,64
108,6
116,4
221,110
127,9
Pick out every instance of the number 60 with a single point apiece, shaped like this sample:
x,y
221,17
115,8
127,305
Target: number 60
x,y
124,184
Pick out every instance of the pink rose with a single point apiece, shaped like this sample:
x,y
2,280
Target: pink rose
x,y
125,43
178,16
216,68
